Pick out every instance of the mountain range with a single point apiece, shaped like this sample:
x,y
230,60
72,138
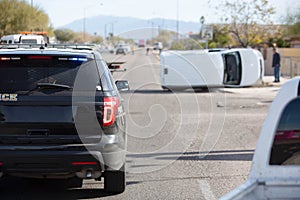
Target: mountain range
x,y
130,27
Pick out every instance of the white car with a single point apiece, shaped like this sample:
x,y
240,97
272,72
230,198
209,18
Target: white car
x,y
158,46
276,163
22,39
123,49
10,39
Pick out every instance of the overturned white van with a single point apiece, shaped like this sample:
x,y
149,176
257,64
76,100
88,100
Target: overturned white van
x,y
210,68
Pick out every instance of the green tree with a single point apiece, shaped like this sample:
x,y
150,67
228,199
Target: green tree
x,y
191,44
177,45
64,35
293,21
18,15
245,20
96,39
282,43
294,29
221,37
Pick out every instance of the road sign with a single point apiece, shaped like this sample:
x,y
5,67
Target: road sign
x,y
207,32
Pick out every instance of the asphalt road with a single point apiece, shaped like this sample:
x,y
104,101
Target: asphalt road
x,y
181,144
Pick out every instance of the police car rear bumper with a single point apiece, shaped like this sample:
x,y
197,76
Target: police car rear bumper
x,y
51,164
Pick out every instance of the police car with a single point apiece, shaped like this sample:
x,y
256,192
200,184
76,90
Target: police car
x,y
61,116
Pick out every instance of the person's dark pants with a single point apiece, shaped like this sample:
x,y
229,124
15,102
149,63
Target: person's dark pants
x,y
277,73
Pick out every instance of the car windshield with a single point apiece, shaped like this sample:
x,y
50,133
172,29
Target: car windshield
x,y
232,71
24,73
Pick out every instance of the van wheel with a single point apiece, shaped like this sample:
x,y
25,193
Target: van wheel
x,y
114,181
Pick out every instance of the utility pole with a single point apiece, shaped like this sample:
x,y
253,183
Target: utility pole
x,y
152,27
202,20
84,22
177,24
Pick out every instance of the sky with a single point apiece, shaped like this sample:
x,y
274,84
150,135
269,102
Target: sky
x,y
62,12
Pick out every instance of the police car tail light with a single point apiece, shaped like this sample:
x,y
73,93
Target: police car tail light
x,y
281,135
111,105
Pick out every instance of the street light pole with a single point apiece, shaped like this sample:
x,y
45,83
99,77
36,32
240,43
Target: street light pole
x,y
177,24
84,22
152,31
202,20
109,30
105,31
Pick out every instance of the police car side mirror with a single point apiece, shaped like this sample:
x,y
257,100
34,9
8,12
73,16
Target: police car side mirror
x,y
122,85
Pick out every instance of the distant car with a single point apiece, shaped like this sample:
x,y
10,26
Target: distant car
x,y
107,49
10,39
123,49
158,46
141,43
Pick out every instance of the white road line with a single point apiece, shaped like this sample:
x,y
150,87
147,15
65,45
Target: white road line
x,y
206,190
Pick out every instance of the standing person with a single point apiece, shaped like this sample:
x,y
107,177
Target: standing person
x,y
276,65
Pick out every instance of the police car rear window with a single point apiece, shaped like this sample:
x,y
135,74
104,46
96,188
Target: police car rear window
x,y
24,72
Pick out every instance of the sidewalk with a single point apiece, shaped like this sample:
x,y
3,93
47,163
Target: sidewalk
x,y
268,81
